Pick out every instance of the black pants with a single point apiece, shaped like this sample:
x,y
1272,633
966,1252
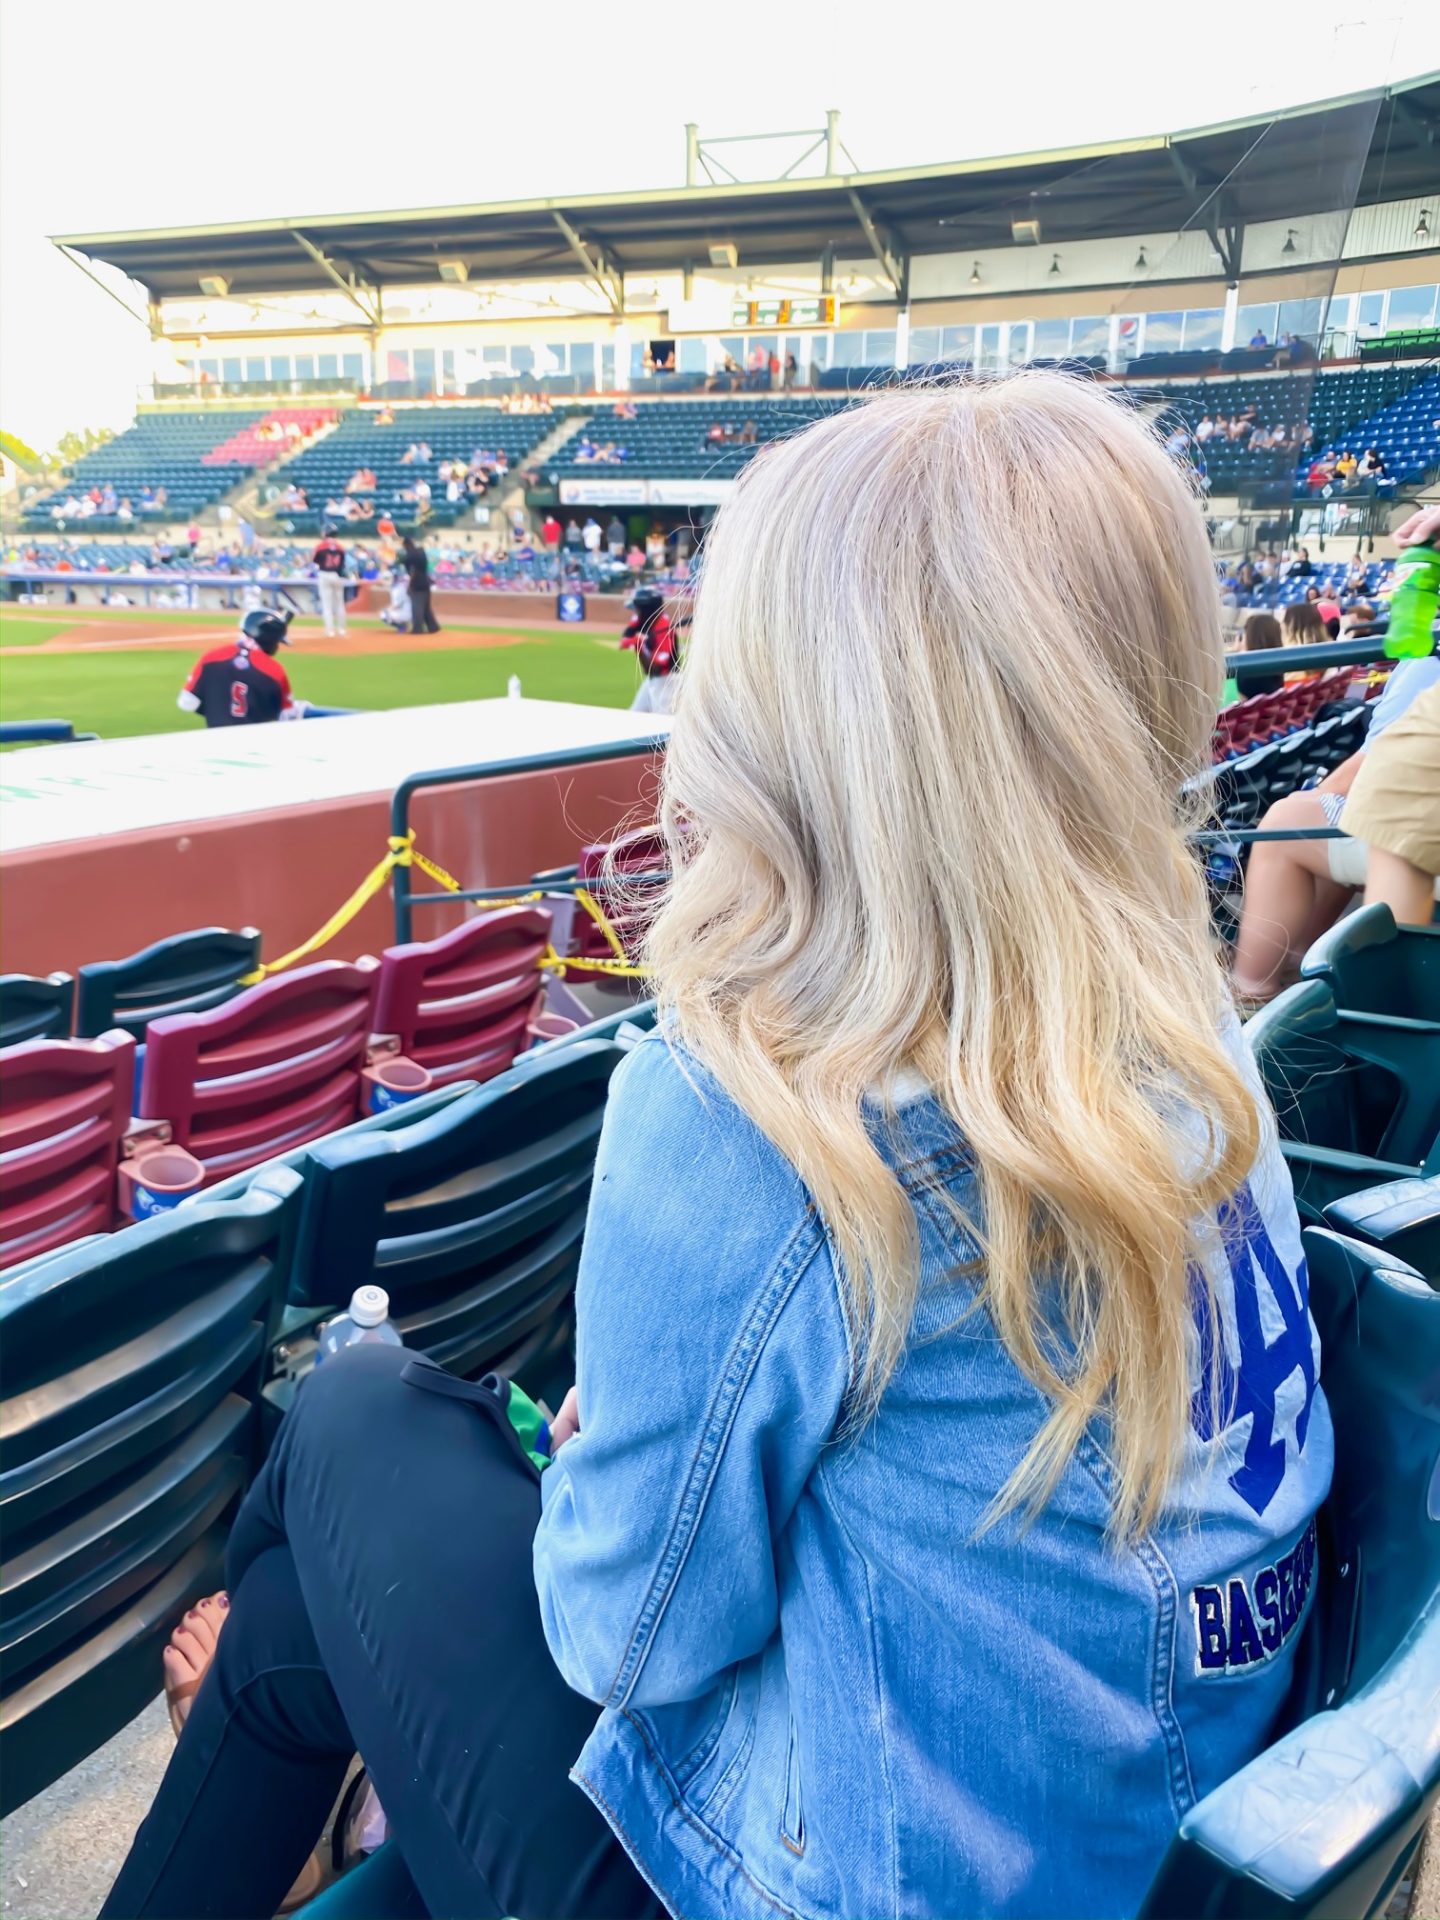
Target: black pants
x,y
422,619
381,1600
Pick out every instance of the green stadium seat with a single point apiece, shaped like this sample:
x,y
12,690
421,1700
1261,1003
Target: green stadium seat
x,y
130,1376
471,1218
35,1008
1402,1218
1337,1109
1325,1821
1375,968
186,973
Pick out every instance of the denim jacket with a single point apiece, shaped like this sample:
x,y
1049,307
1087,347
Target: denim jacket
x,y
824,1690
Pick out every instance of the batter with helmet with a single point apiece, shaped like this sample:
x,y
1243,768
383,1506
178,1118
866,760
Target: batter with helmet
x,y
242,683
657,647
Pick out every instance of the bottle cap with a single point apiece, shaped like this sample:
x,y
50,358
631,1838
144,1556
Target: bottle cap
x,y
369,1306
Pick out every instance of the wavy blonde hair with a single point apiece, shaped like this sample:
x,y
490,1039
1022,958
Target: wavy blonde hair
x,y
954,652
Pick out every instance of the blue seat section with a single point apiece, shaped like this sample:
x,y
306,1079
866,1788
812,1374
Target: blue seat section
x,y
1325,1822
471,1219
130,1376
35,1008
186,973
667,439
1391,407
452,432
160,450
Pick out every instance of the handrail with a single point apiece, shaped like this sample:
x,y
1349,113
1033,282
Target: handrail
x,y
405,900
1326,653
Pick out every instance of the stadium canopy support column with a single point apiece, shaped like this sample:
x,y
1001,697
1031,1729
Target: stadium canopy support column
x,y
902,337
1232,310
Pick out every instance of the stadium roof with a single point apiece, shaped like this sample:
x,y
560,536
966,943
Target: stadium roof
x,y
1380,145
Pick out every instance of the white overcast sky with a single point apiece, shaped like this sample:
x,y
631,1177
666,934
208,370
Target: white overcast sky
x,y
149,113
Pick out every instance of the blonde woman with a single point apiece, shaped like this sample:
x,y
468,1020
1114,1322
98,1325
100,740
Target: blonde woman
x,y
933,1522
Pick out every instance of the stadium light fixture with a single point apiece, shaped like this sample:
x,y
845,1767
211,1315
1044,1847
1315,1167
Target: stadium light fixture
x,y
457,272
975,274
214,285
1054,264
1141,263
1422,225
1289,246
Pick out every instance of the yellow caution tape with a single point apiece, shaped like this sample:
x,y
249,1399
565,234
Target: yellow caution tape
x,y
404,853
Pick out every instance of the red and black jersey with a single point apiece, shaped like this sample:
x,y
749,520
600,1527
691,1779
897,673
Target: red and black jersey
x,y
657,644
329,557
235,686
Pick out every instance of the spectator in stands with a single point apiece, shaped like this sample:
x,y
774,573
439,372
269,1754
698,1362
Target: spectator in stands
x,y
792,372
715,433
1177,442
1357,577
1300,567
1359,621
615,537
125,511
1372,465
162,499
416,563
1257,339
361,481
551,533
625,410
574,538
1262,635
759,364
1204,427
1321,472
1329,612
1303,625
1345,467
192,536
902,1439
411,454
591,535
749,434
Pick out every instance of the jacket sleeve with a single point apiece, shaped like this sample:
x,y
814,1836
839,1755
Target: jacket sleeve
x,y
713,1367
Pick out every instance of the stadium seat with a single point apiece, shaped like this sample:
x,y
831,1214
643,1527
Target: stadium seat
x,y
130,1373
471,1218
64,1110
1379,970
1401,1217
1325,1821
186,973
1337,1109
640,852
278,1065
35,1008
462,1005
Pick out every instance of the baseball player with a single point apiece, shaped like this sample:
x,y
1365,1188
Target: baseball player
x,y
241,684
329,559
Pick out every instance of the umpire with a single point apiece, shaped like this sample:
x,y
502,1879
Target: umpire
x,y
416,563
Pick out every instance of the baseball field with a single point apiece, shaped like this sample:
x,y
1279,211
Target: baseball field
x,y
117,671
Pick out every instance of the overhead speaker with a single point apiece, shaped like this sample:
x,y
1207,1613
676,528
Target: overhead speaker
x,y
725,256
455,271
1025,233
214,285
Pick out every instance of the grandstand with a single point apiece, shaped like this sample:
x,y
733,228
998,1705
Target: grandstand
x,y
201,1156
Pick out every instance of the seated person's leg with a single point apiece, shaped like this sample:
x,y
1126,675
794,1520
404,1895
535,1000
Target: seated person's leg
x,y
408,1518
1290,899
1406,889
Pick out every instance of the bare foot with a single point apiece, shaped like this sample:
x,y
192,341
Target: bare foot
x,y
187,1658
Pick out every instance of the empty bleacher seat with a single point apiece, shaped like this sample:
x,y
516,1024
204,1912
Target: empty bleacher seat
x,y
1324,1822
186,973
1344,1115
671,438
1402,1217
161,450
35,1008
64,1111
276,1066
130,1375
471,1217
462,1005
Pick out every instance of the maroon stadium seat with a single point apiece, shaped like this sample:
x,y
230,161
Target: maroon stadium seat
x,y
64,1109
462,1004
643,852
267,1071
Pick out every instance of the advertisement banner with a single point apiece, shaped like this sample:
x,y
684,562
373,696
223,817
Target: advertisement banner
x,y
690,493
613,491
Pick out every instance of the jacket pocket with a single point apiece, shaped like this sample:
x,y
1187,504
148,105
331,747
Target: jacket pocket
x,y
792,1818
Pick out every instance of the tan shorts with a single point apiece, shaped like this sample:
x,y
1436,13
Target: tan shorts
x,y
1395,801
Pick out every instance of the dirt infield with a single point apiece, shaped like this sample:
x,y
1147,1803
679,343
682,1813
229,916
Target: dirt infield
x,y
125,632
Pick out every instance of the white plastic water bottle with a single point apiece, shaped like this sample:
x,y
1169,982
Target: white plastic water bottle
x,y
514,686
367,1320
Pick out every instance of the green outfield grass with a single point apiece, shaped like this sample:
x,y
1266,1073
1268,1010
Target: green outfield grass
x,y
134,691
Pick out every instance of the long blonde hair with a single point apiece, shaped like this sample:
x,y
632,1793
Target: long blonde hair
x,y
953,654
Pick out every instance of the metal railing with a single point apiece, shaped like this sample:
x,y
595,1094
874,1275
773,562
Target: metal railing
x,y
405,900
